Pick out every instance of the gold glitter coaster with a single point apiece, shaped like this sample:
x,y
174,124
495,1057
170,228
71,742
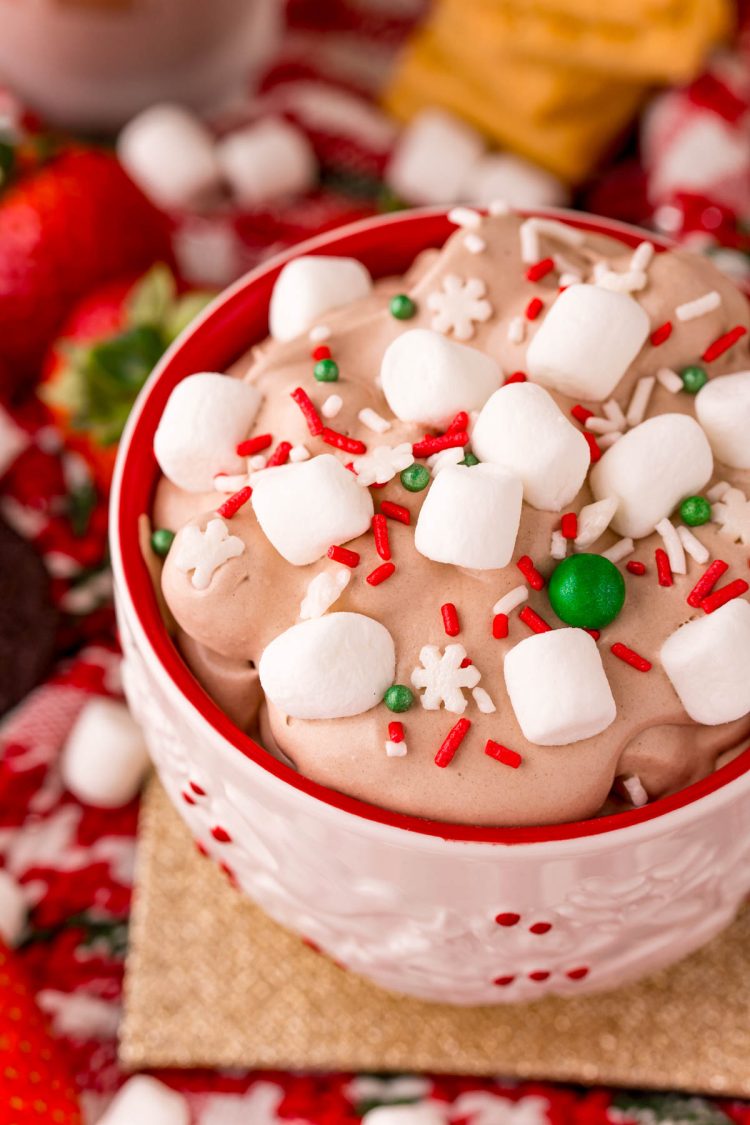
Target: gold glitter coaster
x,y
211,981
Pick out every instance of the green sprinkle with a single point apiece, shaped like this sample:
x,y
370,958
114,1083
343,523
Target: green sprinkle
x,y
695,510
398,698
415,478
326,371
469,460
586,591
161,541
693,378
402,307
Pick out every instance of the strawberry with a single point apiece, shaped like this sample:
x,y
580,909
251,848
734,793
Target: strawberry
x,y
103,355
70,226
34,1083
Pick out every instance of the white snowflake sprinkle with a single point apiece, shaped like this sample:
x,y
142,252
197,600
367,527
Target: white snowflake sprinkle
x,y
642,256
606,440
443,679
459,306
379,465
632,281
324,589
203,552
732,513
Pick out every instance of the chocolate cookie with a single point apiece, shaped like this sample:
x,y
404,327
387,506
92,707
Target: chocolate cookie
x,y
27,618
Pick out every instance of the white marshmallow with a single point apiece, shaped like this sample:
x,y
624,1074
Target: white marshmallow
x,y
148,1102
105,758
503,175
587,341
650,469
522,428
723,409
330,667
311,286
558,687
306,508
266,162
12,909
170,154
424,1114
470,517
13,441
427,378
707,662
433,158
205,418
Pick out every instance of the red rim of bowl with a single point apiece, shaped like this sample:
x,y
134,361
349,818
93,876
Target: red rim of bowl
x,y
222,335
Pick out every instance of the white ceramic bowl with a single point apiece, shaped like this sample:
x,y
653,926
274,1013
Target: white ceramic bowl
x,y
440,911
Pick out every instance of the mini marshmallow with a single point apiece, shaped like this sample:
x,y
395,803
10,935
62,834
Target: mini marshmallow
x,y
311,286
558,687
105,759
206,417
522,428
266,162
146,1101
470,517
723,409
425,1114
330,667
707,662
587,341
651,469
306,508
427,378
503,175
433,158
170,154
12,909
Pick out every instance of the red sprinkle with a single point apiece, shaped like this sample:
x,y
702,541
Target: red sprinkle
x,y
569,525
460,422
396,511
380,573
254,445
432,445
466,662
344,555
595,633
313,419
321,352
530,573
500,626
663,569
661,334
502,754
726,594
450,619
516,377
581,413
622,652
531,618
534,307
724,343
705,585
452,742
280,455
540,269
636,567
396,731
341,441
380,532
594,449
234,503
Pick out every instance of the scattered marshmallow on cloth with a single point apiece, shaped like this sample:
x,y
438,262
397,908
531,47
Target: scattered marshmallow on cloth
x,y
12,909
558,688
433,158
267,161
306,508
428,1113
311,286
651,469
429,379
170,154
145,1101
506,176
330,667
723,410
587,341
105,759
707,662
207,415
522,428
470,517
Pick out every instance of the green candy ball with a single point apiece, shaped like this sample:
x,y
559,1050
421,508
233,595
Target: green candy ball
x,y
402,307
695,510
415,478
398,698
469,460
587,591
161,541
693,378
326,371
